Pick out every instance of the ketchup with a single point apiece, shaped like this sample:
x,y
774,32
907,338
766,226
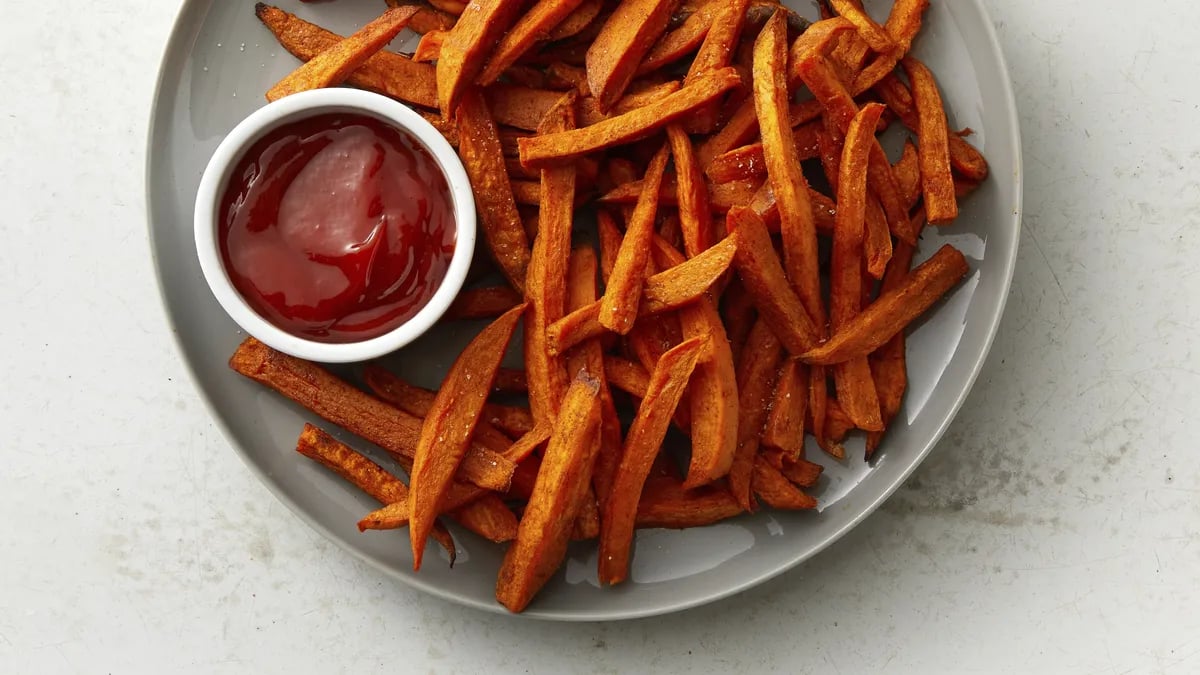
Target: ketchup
x,y
337,228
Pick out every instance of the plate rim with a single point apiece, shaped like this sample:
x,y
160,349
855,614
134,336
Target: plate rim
x,y
154,128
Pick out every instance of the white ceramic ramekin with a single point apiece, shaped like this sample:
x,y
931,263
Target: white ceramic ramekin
x,y
300,106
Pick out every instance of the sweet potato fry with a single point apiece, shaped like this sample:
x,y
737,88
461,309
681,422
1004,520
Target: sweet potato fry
x,y
619,306
903,24
530,29
630,126
356,411
589,109
332,66
466,46
908,174
451,7
747,161
364,474
762,275
872,33
695,216
783,167
627,376
801,472
680,41
386,72
483,157
755,379
893,310
737,310
715,52
665,503
933,149
427,18
667,383
416,401
429,47
486,302
964,158
776,490
621,46
562,486
877,241
784,427
521,107
580,18
446,433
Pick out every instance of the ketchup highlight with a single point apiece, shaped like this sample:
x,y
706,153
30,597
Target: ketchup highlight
x,y
337,228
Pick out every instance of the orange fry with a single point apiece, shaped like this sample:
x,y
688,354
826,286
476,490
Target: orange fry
x,y
582,17
417,401
747,161
784,427
872,33
446,434
563,483
487,302
937,183
619,306
964,158
466,46
776,490
321,392
386,72
483,157
755,377
695,217
531,28
521,107
903,24
627,376
665,503
426,19
622,44
630,126
589,109
430,45
716,52
908,174
679,42
894,309
667,383
877,242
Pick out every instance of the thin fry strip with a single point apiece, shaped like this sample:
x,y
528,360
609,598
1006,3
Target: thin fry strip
x,y
562,485
429,47
933,149
627,376
589,110
776,490
466,46
695,217
417,401
903,24
715,52
622,44
582,17
747,161
427,18
665,503
872,33
364,474
894,309
667,383
321,392
784,427
964,158
446,433
877,242
801,472
487,302
483,157
679,42
385,72
533,27
755,378
908,174
763,277
518,106
619,306
630,126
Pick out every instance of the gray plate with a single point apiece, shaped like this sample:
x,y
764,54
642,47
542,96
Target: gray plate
x,y
217,65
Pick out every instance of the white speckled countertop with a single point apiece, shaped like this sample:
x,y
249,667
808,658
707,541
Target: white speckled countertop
x,y
1056,528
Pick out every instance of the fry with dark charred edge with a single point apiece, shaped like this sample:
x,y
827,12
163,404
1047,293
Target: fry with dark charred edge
x,y
619,306
417,401
893,310
430,45
364,474
483,157
448,427
784,428
531,28
783,167
466,46
695,217
385,72
630,126
486,302
755,378
645,436
933,149
332,66
321,392
622,44
855,386
562,485
762,275
776,490
665,503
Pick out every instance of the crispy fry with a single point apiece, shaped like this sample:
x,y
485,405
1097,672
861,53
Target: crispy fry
x,y
466,45
627,376
964,158
386,72
562,486
580,18
877,242
565,76
486,302
427,18
801,472
695,217
480,512
908,174
364,474
417,401
747,161
610,243
630,126
622,44
589,109
451,7
784,427
894,309
530,29
763,277
739,315
619,306
716,52
665,503
429,47
776,490
872,33
679,42
667,383
355,411
933,149
446,433
521,107
483,157
755,378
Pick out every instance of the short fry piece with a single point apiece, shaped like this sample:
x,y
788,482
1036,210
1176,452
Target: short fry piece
x,y
429,47
937,183
894,309
667,383
446,433
776,490
563,483
624,40
755,377
784,428
467,44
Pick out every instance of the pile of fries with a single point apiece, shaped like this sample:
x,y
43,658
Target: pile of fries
x,y
720,146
